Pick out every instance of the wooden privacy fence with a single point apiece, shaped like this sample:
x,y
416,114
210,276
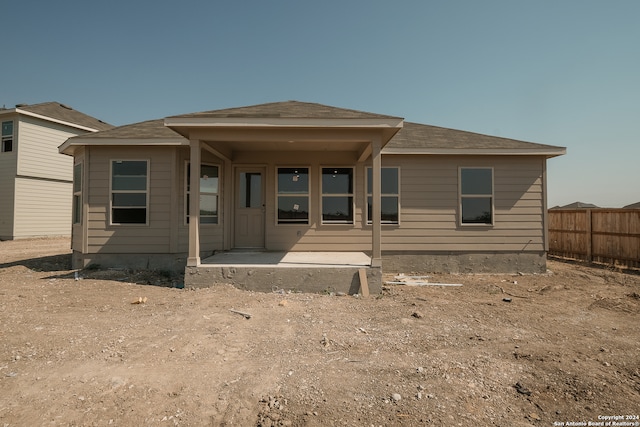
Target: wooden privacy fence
x,y
610,236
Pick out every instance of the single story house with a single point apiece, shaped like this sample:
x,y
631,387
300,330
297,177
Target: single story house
x,y
35,179
296,177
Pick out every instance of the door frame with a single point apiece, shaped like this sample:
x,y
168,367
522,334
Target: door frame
x,y
237,170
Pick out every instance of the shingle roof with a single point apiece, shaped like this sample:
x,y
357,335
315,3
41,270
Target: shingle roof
x,y
633,206
419,136
62,112
576,205
287,109
412,136
143,130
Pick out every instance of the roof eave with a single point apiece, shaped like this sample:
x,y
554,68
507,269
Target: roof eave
x,y
70,145
547,152
50,119
177,123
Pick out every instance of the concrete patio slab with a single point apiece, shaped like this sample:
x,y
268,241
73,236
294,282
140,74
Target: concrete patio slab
x,y
315,272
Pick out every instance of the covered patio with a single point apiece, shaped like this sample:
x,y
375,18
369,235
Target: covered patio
x,y
242,142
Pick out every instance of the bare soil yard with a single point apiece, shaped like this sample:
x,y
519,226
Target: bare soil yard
x,y
566,348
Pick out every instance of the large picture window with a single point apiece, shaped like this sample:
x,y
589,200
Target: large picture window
x,y
337,195
293,195
209,191
77,193
7,137
390,195
129,191
476,196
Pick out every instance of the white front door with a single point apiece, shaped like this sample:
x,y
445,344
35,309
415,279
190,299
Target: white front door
x,y
249,208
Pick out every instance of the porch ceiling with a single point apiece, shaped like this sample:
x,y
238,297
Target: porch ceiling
x,y
286,135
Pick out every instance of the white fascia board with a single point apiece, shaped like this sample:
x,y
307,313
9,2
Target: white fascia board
x,y
7,111
282,122
479,151
78,142
50,119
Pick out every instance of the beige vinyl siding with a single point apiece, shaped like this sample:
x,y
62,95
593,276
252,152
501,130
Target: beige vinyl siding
x,y
42,208
150,238
38,155
429,211
430,206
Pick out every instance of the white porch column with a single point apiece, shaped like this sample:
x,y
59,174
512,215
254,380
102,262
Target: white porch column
x,y
194,204
376,220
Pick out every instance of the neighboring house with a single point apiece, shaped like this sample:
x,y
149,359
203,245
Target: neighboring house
x,y
577,205
633,206
35,179
303,177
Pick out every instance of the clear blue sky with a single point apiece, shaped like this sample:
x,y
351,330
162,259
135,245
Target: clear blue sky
x,y
559,72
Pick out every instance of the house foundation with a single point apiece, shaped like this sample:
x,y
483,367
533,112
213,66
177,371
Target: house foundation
x,y
315,272
465,262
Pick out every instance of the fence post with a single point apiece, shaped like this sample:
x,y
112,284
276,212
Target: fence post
x,y
589,236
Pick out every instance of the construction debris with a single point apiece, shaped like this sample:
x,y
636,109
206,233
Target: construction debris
x,y
401,279
245,315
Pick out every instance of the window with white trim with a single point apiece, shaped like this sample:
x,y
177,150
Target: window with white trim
x,y
77,193
389,198
293,195
337,195
129,191
476,196
209,191
6,144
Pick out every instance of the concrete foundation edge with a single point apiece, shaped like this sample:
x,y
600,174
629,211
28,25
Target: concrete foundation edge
x,y
174,263
470,262
269,279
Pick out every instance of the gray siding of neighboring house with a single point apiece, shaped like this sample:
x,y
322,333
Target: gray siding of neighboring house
x,y
42,208
43,184
38,155
8,162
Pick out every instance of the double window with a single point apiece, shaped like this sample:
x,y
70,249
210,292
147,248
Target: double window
x,y
209,188
337,195
390,195
129,191
293,195
7,137
77,193
476,196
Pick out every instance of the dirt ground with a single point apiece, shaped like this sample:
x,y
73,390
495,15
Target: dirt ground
x,y
78,352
